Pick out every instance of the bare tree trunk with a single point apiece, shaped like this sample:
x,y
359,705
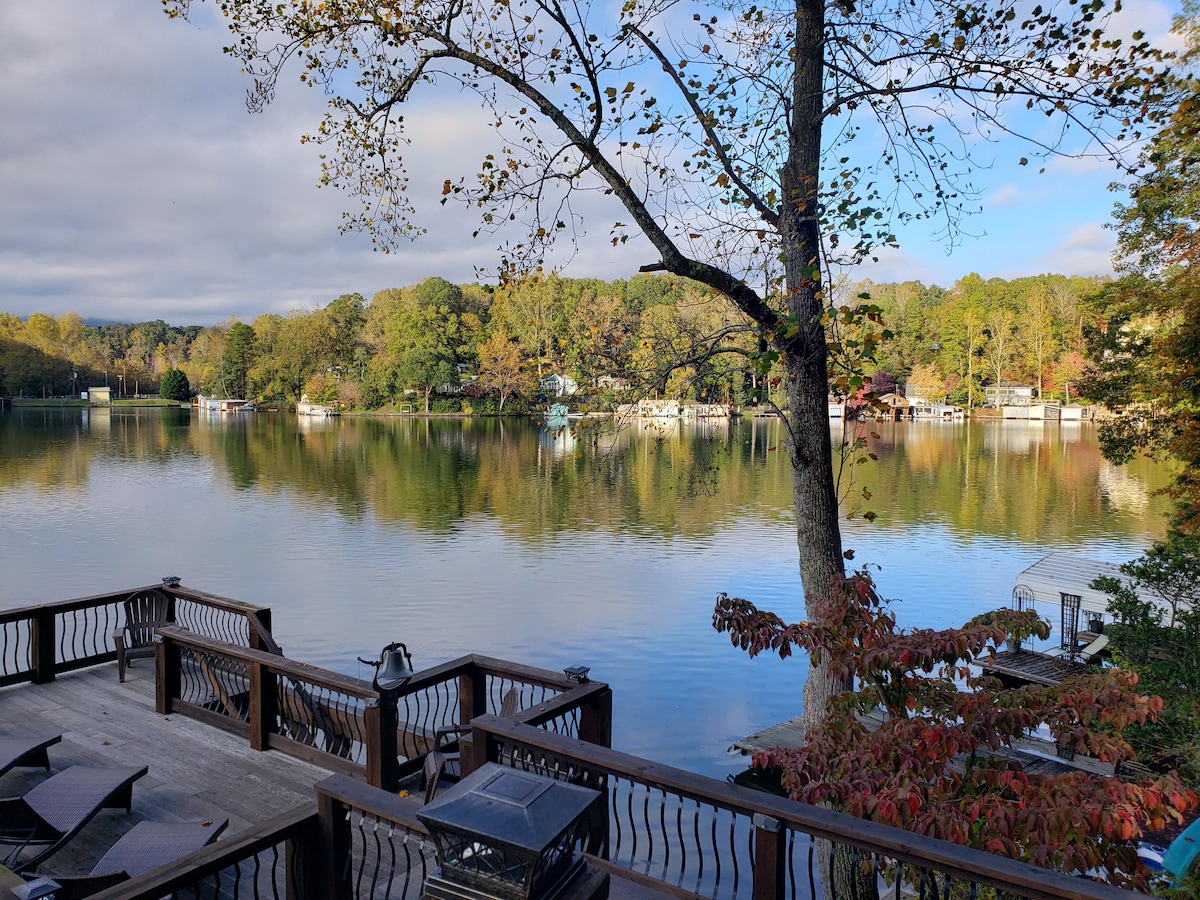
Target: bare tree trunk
x,y
806,360
818,535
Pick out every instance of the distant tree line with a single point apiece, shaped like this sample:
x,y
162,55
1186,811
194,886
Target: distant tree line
x,y
647,332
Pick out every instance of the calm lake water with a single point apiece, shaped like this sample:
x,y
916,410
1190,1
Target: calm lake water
x,y
544,547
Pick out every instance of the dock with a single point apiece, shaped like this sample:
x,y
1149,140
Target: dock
x,y
1036,756
317,795
1070,574
1014,667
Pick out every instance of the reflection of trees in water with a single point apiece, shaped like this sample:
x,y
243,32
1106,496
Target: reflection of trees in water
x,y
662,478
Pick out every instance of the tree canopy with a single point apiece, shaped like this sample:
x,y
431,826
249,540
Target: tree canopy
x,y
750,145
1147,350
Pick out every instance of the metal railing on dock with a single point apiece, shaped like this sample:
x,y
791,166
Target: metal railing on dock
x,y
670,833
344,723
37,643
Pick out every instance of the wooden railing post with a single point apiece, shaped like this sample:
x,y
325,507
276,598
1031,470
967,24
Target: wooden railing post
x,y
472,702
264,704
166,674
595,720
330,868
304,874
42,646
770,858
381,723
257,640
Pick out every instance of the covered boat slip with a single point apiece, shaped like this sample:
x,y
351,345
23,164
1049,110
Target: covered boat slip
x,y
1064,580
1049,578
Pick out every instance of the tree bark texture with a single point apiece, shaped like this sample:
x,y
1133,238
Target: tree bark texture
x,y
818,535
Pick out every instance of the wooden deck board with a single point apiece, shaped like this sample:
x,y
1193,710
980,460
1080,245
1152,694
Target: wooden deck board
x,y
196,772
1035,755
1029,666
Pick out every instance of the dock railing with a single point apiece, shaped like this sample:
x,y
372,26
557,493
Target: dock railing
x,y
344,724
360,843
679,832
38,643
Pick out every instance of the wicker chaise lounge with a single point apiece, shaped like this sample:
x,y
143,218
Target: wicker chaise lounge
x,y
26,752
51,813
144,848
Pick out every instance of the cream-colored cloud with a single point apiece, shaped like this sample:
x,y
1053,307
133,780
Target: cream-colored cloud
x,y
1005,195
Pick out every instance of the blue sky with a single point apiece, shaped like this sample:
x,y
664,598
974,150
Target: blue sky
x,y
134,185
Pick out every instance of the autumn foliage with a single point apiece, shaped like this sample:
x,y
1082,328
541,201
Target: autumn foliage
x,y
940,764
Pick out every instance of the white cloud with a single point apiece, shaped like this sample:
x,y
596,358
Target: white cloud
x,y
134,185
1005,195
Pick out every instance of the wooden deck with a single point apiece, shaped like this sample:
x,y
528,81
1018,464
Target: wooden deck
x,y
196,772
1029,667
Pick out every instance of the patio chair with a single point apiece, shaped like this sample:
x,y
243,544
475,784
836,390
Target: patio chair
x,y
145,847
447,746
51,813
144,611
26,752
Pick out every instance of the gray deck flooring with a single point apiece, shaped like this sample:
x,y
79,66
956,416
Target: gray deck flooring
x,y
196,772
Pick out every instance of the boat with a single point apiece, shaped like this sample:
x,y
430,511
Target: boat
x,y
214,404
306,408
937,411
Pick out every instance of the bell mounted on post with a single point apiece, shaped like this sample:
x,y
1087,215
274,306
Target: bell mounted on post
x,y
394,669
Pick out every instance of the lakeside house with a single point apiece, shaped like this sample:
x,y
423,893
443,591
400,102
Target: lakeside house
x,y
1009,393
556,385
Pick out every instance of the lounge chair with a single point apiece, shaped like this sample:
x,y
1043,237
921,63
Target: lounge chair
x,y
51,813
145,847
144,611
26,752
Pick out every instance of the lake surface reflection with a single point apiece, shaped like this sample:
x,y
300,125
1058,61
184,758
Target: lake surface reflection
x,y
550,548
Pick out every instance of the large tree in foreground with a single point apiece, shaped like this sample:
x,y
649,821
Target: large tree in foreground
x,y
750,144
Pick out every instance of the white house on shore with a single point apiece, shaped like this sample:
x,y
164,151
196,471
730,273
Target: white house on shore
x,y
1009,393
556,385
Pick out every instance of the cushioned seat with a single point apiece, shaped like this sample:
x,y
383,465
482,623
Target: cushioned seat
x,y
48,815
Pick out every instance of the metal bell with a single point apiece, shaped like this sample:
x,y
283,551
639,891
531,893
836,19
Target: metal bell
x,y
395,668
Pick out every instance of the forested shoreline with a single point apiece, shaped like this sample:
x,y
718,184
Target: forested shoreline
x,y
493,347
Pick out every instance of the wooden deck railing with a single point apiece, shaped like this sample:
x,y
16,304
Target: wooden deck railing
x,y
343,723
673,829
276,859
361,843
37,643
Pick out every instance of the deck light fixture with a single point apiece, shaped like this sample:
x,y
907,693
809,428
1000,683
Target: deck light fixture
x,y
507,834
171,581
577,673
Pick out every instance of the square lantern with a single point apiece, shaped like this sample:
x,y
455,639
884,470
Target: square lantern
x,y
506,834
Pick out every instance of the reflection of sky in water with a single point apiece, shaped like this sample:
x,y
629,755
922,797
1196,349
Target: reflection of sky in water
x,y
634,604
